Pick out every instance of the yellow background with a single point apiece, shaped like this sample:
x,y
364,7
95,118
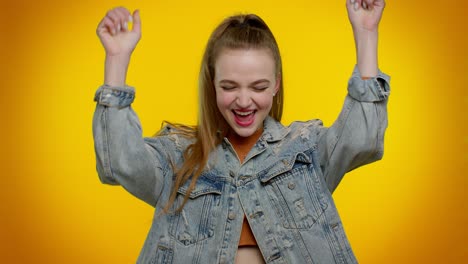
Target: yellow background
x,y
408,208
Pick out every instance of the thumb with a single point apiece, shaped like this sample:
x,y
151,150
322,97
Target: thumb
x,y
136,21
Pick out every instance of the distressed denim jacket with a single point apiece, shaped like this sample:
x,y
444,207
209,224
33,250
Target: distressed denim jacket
x,y
283,187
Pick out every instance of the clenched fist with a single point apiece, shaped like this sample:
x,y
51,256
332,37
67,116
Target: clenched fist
x,y
365,14
114,32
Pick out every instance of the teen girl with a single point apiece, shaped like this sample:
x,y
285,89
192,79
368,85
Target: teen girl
x,y
239,186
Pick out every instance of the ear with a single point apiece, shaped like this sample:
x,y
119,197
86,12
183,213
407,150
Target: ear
x,y
277,85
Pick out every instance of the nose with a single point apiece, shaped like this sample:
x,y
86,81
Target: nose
x,y
244,99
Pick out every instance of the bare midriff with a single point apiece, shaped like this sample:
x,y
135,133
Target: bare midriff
x,y
249,255
248,251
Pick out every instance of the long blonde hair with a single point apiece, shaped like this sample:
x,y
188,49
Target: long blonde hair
x,y
243,31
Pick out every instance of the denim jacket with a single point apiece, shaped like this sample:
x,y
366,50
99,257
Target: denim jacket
x,y
284,186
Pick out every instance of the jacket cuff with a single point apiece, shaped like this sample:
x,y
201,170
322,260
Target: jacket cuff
x,y
115,96
369,90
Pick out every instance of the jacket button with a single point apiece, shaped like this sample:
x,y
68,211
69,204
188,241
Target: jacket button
x,y
291,185
232,174
244,177
231,216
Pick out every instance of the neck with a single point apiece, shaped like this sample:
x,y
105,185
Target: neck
x,y
235,139
242,145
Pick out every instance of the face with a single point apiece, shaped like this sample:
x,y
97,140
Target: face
x,y
245,83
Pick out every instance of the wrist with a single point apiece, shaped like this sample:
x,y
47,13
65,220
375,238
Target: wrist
x,y
364,30
366,52
116,70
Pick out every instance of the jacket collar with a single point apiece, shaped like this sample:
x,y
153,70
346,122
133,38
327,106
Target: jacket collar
x,y
273,130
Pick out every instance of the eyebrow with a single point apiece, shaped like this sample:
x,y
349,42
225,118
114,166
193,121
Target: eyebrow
x,y
254,83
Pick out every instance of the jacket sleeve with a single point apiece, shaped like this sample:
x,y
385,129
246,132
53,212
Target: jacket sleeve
x,y
356,138
123,156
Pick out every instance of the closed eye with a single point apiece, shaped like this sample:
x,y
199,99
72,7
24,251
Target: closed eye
x,y
261,88
227,88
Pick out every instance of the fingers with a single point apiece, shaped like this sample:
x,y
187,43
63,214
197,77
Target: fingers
x,y
380,3
367,4
355,4
136,21
125,18
117,19
106,25
364,4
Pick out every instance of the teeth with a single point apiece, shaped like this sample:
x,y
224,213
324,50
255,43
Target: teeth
x,y
243,113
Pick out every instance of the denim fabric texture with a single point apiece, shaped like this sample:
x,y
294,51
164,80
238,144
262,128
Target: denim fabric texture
x,y
284,186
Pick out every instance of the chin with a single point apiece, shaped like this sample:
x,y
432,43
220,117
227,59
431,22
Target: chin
x,y
245,131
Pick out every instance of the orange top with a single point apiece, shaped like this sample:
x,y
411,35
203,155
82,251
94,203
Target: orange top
x,y
242,147
247,238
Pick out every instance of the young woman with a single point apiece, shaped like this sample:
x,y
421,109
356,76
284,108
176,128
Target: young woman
x,y
239,186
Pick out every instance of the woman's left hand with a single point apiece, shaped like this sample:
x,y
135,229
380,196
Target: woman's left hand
x,y
365,14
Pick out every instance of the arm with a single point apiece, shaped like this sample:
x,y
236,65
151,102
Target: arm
x,y
356,137
365,16
119,42
122,155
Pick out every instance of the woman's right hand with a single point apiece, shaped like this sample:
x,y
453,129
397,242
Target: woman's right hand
x,y
115,36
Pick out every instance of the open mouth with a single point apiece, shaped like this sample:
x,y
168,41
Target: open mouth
x,y
244,118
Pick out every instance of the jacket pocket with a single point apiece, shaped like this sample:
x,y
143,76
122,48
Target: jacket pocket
x,y
163,255
196,221
296,193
